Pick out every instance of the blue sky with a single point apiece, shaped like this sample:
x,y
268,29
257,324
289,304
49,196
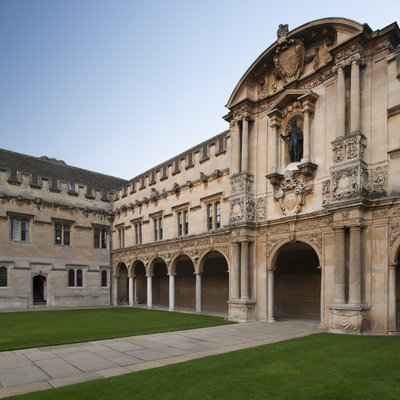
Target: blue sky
x,y
118,86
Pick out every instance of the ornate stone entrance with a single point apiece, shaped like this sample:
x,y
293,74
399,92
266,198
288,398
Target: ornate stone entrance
x,y
39,290
297,282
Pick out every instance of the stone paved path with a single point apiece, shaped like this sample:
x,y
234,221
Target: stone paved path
x,y
30,370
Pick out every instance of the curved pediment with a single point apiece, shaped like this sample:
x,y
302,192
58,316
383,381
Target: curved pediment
x,y
292,56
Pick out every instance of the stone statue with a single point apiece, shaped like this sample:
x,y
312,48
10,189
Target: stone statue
x,y
295,142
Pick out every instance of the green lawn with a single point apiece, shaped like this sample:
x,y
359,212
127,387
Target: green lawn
x,y
322,366
44,328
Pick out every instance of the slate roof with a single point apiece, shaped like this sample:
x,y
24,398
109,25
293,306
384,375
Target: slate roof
x,y
55,170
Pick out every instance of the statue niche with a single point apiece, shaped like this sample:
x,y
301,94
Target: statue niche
x,y
294,140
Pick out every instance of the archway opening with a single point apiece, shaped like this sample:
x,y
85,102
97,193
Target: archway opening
x,y
140,289
215,284
398,292
160,283
185,283
122,284
297,283
39,290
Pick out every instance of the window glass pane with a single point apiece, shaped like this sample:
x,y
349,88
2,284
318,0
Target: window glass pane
x,y
104,278
24,230
96,238
58,233
218,215
3,276
103,239
161,228
209,217
71,277
186,214
155,229
79,277
66,235
140,233
179,223
15,229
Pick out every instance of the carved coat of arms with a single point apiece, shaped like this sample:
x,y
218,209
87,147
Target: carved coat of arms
x,y
289,59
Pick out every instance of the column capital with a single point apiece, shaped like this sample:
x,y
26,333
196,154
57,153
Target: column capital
x,y
393,265
171,273
149,275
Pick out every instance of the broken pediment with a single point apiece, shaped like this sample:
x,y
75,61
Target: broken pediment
x,y
294,55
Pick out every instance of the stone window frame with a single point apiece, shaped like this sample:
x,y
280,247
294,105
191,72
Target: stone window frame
x,y
76,276
120,235
104,278
137,231
17,233
182,220
213,211
64,228
103,232
3,276
158,226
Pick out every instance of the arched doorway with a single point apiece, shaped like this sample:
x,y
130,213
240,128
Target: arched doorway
x,y
214,283
39,290
185,283
140,289
122,284
160,283
297,282
398,291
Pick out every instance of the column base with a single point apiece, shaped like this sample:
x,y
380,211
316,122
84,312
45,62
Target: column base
x,y
348,318
242,310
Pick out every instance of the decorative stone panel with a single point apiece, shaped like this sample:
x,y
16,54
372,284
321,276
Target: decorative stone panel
x,y
242,209
349,148
242,311
241,183
347,320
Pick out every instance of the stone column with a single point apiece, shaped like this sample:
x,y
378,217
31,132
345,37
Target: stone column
x,y
275,117
198,291
245,144
244,270
355,95
355,267
306,134
149,291
340,101
171,292
234,275
131,290
235,150
339,265
115,291
392,317
270,305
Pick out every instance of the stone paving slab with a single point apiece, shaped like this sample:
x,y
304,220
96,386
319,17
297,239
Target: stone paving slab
x,y
29,370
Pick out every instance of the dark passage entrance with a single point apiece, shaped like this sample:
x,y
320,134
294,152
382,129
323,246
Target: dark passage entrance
x,y
297,282
39,290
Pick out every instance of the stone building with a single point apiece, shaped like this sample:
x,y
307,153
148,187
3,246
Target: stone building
x,y
292,212
54,221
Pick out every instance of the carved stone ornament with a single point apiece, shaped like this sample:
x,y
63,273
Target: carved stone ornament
x,y
241,183
394,233
350,148
326,191
349,182
289,59
291,193
347,320
261,209
242,209
378,182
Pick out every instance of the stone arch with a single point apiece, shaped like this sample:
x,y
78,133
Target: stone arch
x,y
296,281
121,275
139,273
39,289
185,282
393,295
213,266
158,269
